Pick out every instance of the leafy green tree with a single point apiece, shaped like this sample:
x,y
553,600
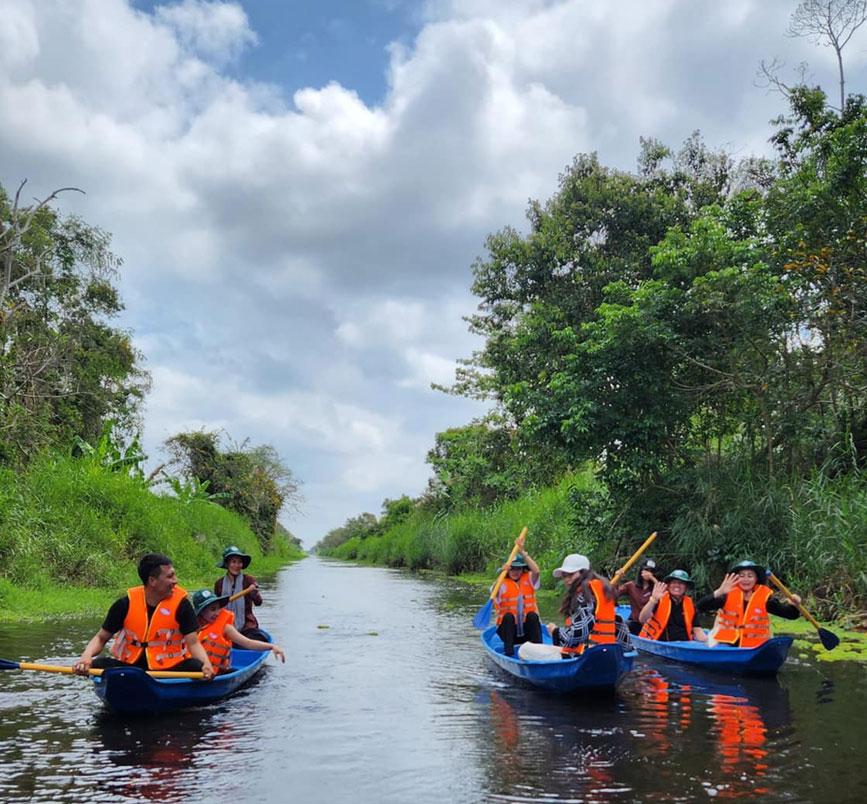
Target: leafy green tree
x,y
64,369
252,481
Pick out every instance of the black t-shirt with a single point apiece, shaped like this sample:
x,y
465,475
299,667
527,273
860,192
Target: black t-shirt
x,y
675,628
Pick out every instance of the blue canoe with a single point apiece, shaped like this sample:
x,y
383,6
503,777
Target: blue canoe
x,y
599,667
764,660
131,690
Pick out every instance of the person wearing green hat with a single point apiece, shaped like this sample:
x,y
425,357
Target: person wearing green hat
x,y
235,561
517,613
217,633
743,602
669,615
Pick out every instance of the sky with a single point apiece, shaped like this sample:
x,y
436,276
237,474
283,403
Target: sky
x,y
298,190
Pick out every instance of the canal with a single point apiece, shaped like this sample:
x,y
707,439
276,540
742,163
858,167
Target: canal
x,y
387,696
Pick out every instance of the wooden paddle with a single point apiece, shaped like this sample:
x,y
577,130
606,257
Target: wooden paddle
x,y
635,556
5,664
483,615
240,594
829,640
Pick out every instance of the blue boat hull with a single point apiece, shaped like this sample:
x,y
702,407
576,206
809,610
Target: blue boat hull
x,y
599,667
131,690
764,660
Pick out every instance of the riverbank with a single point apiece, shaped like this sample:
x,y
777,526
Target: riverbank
x,y
71,535
22,604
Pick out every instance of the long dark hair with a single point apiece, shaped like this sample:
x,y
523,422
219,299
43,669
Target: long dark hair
x,y
581,586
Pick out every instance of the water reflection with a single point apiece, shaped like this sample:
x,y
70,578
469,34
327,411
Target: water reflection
x,y
737,720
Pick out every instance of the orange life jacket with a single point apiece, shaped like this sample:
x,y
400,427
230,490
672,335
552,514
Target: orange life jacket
x,y
511,592
160,639
604,631
216,645
747,626
655,626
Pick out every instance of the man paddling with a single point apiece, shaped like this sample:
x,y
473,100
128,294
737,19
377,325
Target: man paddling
x,y
154,626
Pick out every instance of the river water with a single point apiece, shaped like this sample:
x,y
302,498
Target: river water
x,y
387,696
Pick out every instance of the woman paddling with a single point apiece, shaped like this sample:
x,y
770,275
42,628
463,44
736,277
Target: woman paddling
x,y
743,603
588,607
517,612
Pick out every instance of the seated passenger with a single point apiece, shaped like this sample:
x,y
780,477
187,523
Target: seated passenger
x,y
638,592
588,607
217,634
743,603
517,613
669,615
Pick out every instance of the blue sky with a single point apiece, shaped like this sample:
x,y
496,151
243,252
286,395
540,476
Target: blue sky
x,y
299,190
312,43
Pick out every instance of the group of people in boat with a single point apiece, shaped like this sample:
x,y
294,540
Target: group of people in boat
x,y
158,626
661,607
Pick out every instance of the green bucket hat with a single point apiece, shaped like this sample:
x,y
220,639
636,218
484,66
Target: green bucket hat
x,y
203,598
518,561
679,575
750,565
235,551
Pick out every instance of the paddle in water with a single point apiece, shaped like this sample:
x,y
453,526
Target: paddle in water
x,y
828,639
6,664
483,615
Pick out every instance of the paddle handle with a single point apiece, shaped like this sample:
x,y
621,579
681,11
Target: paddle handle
x,y
518,542
782,587
93,671
241,593
635,556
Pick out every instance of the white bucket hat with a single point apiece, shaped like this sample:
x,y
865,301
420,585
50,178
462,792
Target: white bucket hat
x,y
572,563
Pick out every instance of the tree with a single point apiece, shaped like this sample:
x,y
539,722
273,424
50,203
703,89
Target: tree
x,y
831,23
252,481
64,370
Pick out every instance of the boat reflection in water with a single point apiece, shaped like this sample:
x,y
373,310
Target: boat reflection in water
x,y
737,720
684,735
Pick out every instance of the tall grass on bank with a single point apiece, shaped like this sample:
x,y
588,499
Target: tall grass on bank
x,y
67,523
479,541
812,532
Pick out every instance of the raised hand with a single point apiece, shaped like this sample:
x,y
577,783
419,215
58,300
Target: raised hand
x,y
659,589
728,583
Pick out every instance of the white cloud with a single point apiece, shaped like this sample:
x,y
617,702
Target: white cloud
x,y
218,31
297,260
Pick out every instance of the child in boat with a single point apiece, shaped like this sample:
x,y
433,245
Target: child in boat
x,y
217,634
638,592
517,613
743,603
588,607
669,614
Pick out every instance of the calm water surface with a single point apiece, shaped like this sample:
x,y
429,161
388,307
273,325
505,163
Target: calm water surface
x,y
394,701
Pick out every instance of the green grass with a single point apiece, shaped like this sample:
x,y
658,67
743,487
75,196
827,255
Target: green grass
x,y
813,531
71,535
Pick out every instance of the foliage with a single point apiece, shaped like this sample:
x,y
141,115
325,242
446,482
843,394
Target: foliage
x,y
72,522
696,332
64,370
252,481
